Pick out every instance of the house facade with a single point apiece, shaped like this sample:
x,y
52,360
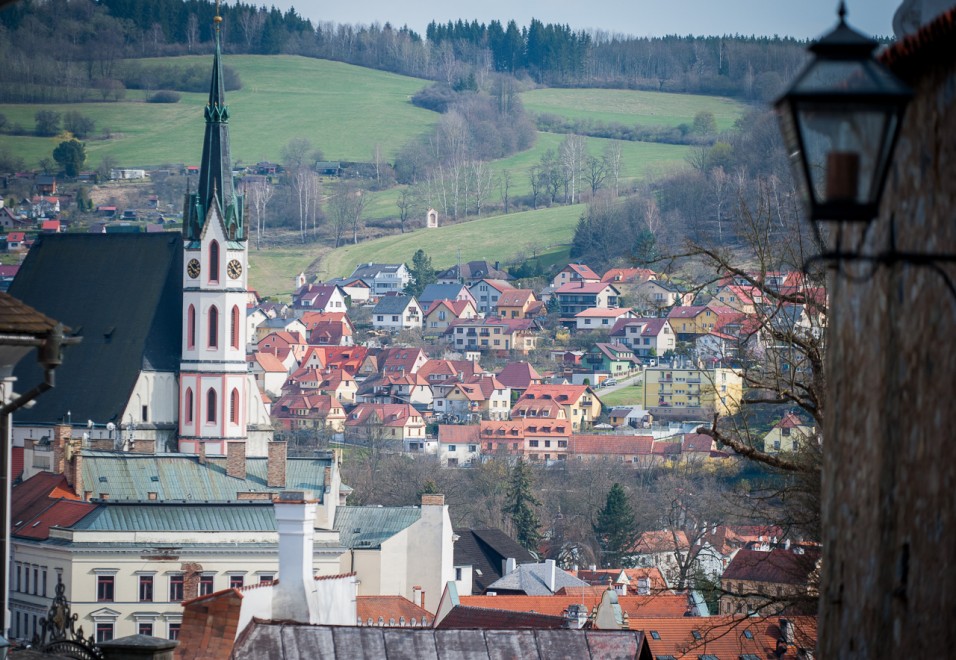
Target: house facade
x,y
692,393
396,313
382,278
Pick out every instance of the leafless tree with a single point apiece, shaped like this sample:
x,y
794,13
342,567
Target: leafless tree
x,y
572,153
192,32
251,21
306,185
259,195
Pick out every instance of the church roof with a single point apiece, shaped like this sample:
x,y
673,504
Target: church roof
x,y
122,294
215,169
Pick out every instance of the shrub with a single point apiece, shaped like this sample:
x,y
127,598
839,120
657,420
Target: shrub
x,y
165,96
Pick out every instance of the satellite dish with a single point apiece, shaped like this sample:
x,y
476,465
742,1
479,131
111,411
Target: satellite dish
x,y
89,423
110,426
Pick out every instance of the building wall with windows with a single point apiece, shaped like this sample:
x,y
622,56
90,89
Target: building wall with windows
x,y
692,391
122,582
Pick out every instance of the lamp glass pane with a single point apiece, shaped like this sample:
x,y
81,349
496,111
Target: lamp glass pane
x,y
844,145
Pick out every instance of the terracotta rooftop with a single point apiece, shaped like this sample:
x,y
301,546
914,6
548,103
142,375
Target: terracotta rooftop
x,y
389,610
724,638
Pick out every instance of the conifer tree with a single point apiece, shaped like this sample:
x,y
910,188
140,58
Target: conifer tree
x,y
519,506
616,529
422,274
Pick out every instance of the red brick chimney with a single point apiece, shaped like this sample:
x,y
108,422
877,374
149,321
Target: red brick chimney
x,y
236,459
275,468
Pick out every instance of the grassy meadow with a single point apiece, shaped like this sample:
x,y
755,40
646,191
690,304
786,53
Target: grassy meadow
x,y
344,110
626,396
631,107
545,232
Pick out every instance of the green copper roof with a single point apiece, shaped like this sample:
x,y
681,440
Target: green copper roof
x,y
362,527
180,517
181,477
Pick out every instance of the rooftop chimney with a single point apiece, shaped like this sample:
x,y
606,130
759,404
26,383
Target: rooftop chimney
x,y
549,569
293,595
236,459
275,469
508,566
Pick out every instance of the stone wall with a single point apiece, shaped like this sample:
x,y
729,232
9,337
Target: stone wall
x,y
889,511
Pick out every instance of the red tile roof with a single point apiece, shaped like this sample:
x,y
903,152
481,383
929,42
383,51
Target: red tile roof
x,y
628,275
62,513
661,605
16,465
471,618
461,434
610,445
697,442
515,298
371,609
777,566
916,54
582,271
724,637
519,375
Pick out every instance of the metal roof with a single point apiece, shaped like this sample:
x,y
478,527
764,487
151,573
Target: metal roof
x,y
368,526
181,477
181,517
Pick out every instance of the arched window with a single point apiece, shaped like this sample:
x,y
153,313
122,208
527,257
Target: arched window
x,y
188,405
214,262
213,327
211,405
234,329
234,406
191,327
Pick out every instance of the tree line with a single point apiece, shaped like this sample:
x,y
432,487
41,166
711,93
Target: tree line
x,y
57,51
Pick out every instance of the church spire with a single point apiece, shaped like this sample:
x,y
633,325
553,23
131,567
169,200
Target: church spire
x,y
215,169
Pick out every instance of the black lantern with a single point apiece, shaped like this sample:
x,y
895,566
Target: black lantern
x,y
840,120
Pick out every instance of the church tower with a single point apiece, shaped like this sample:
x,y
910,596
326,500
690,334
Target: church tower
x,y
216,395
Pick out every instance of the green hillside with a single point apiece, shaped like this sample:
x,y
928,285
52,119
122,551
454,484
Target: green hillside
x,y
546,232
630,107
344,110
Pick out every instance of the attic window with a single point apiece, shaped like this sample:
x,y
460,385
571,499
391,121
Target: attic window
x,y
748,634
102,480
696,635
655,634
708,656
154,478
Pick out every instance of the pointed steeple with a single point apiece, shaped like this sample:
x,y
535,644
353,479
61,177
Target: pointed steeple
x,y
215,169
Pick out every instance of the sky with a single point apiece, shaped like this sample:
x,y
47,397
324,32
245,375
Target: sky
x,y
803,19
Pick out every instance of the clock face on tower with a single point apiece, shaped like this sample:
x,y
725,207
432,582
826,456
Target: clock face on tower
x,y
234,268
193,268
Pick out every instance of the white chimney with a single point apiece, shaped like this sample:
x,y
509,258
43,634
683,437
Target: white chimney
x,y
508,566
294,594
549,569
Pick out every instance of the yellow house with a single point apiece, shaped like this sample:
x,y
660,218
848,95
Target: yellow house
x,y
697,319
518,304
692,391
578,403
787,435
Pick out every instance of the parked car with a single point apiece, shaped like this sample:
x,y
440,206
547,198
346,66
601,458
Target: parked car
x,y
610,382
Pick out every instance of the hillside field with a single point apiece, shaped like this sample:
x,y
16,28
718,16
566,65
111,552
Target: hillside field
x,y
546,232
631,107
343,110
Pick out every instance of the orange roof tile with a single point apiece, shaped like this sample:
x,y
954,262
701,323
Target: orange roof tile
x,y
388,608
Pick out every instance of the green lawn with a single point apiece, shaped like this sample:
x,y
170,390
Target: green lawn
x,y
626,396
630,107
640,159
546,232
344,110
